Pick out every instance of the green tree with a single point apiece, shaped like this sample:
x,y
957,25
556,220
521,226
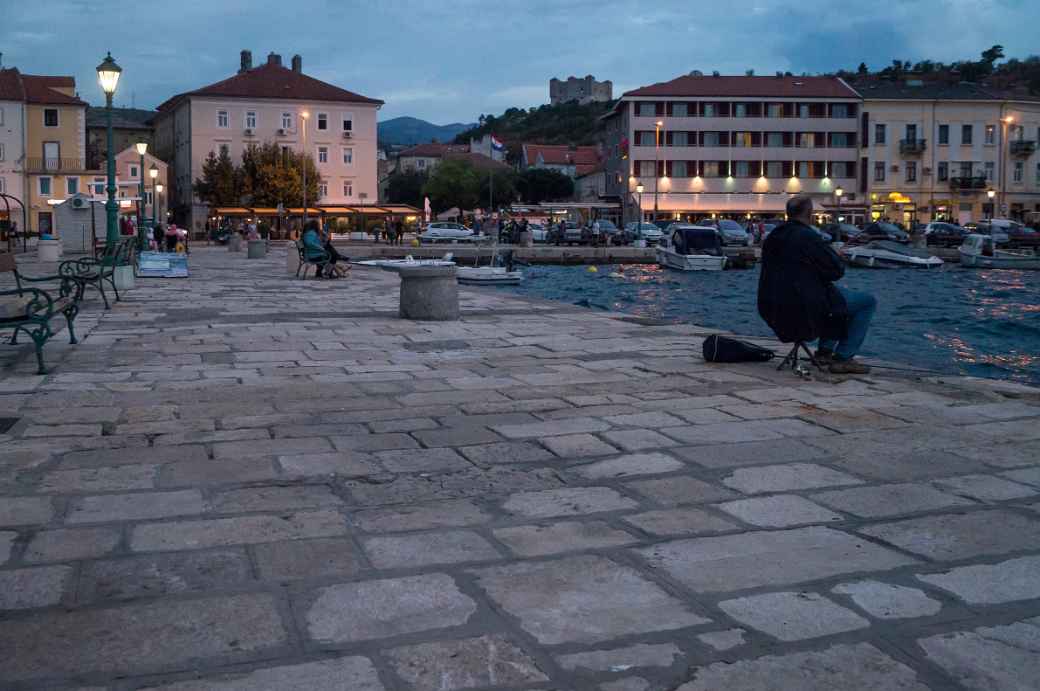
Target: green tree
x,y
218,185
406,188
269,176
453,183
505,190
544,184
862,69
993,54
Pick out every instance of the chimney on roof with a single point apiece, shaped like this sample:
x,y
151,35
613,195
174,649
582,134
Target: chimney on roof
x,y
246,62
779,74
274,59
297,64
715,74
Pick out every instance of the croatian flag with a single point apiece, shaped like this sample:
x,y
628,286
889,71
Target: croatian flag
x,y
497,145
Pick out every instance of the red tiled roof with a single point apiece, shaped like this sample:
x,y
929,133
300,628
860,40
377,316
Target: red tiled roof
x,y
478,161
11,85
39,89
780,87
274,81
583,158
435,150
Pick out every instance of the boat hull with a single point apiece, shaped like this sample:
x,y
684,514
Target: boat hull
x,y
487,275
977,261
689,262
889,260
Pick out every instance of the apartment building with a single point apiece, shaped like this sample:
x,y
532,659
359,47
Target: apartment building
x,y
12,144
572,161
423,158
270,103
733,146
934,151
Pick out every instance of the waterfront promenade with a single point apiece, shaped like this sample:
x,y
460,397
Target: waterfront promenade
x,y
241,481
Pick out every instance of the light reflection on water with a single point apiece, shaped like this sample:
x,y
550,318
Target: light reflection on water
x,y
983,323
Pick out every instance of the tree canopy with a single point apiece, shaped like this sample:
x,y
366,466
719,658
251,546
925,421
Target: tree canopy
x,y
406,188
266,177
537,185
459,183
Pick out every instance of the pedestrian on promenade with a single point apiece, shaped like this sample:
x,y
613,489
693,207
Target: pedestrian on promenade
x,y
399,232
798,298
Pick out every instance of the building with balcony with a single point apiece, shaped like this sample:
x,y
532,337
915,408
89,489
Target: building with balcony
x,y
268,104
12,146
932,151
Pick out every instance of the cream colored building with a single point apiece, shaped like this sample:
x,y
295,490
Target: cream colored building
x,y
12,144
267,104
932,151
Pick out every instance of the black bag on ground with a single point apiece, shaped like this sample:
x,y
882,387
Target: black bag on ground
x,y
725,349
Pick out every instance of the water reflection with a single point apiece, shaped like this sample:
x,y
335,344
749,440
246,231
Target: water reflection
x,y
983,323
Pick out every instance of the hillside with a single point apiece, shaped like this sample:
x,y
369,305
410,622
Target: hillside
x,y
566,123
407,131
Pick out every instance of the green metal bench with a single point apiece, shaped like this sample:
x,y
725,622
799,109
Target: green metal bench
x,y
29,310
318,263
96,272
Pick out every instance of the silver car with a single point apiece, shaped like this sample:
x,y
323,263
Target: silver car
x,y
445,231
634,230
733,233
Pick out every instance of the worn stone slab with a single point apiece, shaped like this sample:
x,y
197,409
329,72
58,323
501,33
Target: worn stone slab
x,y
779,511
626,684
493,481
135,507
462,435
216,472
960,536
723,640
565,536
639,655
379,609
639,439
998,658
987,488
269,447
71,543
888,601
653,419
785,478
142,638
725,433
679,522
444,514
104,479
583,599
749,453
680,489
552,428
421,460
578,446
793,616
880,501
988,584
94,458
38,586
1002,455
161,574
273,498
571,501
219,532
773,558
505,452
468,663
631,465
313,558
25,510
426,549
340,463
7,538
859,667
337,674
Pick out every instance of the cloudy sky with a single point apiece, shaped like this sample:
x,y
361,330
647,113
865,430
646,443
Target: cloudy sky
x,y
451,60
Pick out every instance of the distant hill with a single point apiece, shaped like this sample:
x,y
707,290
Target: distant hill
x,y
406,130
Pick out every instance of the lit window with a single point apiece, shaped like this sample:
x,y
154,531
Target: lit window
x,y
680,139
775,110
803,110
740,110
711,139
742,139
323,121
348,157
775,139
710,110
646,109
991,134
348,188
287,121
222,119
251,119
803,169
50,117
72,186
711,169
323,154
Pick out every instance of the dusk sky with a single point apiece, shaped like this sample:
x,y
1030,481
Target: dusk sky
x,y
450,61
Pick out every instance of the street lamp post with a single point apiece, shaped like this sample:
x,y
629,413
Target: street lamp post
x,y
1004,144
155,202
303,166
142,149
991,193
153,173
657,162
639,191
838,192
108,75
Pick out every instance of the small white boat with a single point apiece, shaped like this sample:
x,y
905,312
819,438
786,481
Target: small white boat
x,y
392,264
488,275
689,262
885,254
979,251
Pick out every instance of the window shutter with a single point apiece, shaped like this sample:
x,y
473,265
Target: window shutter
x,y
659,107
667,169
668,139
724,109
788,138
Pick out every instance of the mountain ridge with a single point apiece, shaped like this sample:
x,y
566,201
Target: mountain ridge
x,y
407,130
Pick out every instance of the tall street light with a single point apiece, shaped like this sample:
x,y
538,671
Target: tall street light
x,y
639,191
153,173
838,192
657,162
303,166
108,75
1004,144
991,193
155,201
142,149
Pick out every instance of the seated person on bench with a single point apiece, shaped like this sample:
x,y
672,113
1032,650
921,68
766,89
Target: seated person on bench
x,y
315,247
798,298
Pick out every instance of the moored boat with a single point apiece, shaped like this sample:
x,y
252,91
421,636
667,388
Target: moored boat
x,y
980,252
886,254
488,275
692,248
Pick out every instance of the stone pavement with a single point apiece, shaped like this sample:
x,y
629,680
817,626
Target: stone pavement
x,y
241,481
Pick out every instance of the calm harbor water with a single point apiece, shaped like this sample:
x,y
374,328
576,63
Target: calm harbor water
x,y
982,323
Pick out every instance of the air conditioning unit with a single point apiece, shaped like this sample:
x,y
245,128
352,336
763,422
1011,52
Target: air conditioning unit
x,y
78,202
282,131
248,132
895,168
348,134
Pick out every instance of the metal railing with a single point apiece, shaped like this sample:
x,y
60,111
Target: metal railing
x,y
974,182
1023,147
54,165
912,146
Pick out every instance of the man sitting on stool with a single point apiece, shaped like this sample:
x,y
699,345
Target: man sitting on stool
x,y
797,296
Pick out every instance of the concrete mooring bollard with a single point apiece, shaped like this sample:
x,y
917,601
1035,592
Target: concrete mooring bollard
x,y
256,249
234,243
429,293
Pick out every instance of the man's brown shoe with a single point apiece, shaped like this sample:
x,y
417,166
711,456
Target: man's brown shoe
x,y
824,357
849,366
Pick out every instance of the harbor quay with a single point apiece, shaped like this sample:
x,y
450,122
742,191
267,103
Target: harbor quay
x,y
241,480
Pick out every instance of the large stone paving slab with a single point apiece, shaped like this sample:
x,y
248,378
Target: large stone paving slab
x,y
337,674
792,616
464,664
777,558
960,536
998,658
987,584
583,600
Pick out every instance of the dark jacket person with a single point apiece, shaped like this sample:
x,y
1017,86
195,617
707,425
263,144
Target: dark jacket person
x,y
797,296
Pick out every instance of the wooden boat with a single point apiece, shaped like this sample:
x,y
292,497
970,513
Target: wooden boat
x,y
980,252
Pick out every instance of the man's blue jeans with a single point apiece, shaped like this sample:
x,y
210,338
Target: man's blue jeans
x,y
861,311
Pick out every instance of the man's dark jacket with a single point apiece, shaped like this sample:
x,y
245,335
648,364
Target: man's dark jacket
x,y
796,292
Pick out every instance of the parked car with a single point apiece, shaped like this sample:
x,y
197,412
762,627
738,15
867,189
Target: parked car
x,y
445,231
733,233
944,234
538,232
572,234
609,233
880,230
999,229
1023,236
635,230
840,232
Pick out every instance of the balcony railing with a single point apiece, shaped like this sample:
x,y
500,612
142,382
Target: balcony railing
x,y
912,146
1023,148
975,182
54,165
